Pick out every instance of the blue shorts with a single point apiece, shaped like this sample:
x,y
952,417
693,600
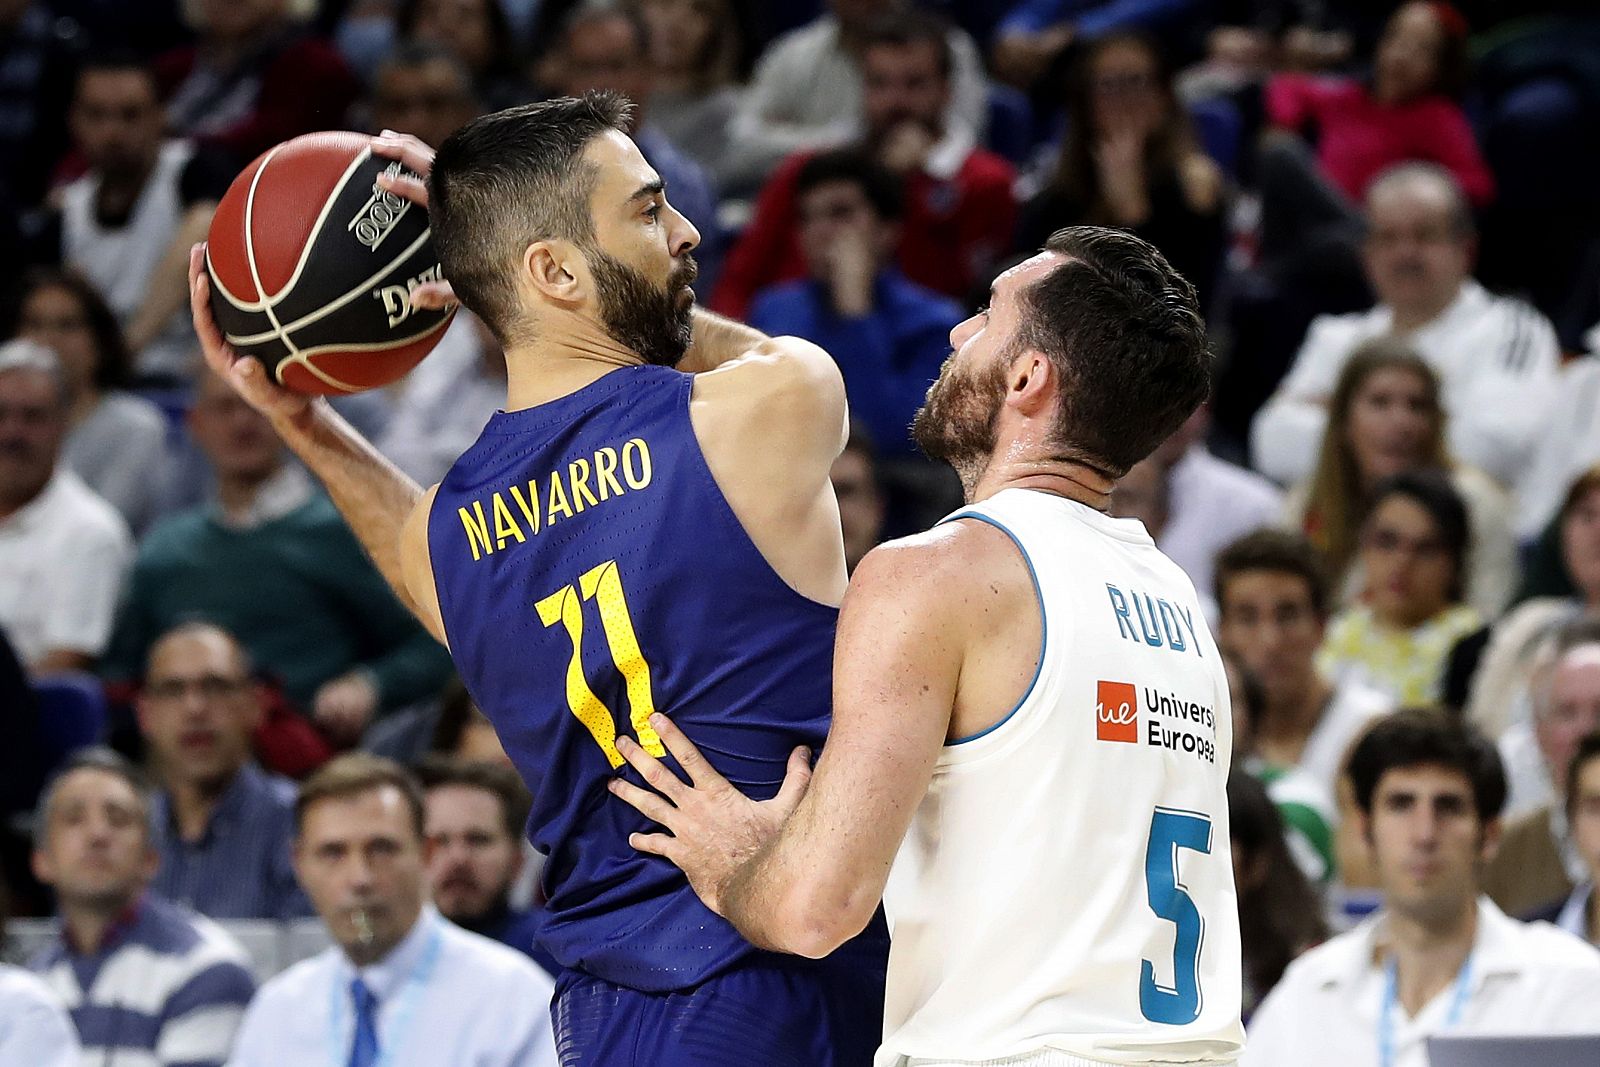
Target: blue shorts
x,y
772,1011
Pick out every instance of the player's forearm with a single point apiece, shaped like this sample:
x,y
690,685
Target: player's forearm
x,y
374,496
717,340
785,900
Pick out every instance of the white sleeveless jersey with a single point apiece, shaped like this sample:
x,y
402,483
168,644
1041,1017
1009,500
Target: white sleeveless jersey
x,y
1066,884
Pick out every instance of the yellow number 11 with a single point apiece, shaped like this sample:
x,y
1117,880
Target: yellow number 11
x,y
604,586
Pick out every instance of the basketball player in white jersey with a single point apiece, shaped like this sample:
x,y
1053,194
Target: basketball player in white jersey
x,y
1031,731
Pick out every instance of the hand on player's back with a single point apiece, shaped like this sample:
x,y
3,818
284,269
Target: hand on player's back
x,y
414,154
248,376
715,829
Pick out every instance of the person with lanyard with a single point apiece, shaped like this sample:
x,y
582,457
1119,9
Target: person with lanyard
x,y
401,987
1438,957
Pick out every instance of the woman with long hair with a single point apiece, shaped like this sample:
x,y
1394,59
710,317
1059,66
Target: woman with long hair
x,y
116,441
697,52
1385,417
1129,159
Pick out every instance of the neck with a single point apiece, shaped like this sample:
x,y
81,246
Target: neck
x,y
194,802
1061,477
1291,718
554,367
1429,950
86,397
119,189
1415,316
85,922
237,493
11,504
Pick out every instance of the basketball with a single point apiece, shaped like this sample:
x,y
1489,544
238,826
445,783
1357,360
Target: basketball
x,y
312,264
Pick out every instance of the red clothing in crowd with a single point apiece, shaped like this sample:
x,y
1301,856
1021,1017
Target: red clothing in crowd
x,y
1359,137
952,229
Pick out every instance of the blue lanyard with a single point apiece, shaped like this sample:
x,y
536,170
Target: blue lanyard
x,y
402,1017
1391,994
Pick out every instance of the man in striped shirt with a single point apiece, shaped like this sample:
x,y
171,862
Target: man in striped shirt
x,y
147,983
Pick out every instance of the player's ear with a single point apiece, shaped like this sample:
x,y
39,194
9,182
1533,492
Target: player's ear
x,y
1031,382
556,271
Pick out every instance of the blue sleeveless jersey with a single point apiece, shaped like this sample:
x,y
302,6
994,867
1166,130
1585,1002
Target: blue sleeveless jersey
x,y
590,571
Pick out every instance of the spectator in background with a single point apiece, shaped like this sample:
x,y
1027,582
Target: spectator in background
x,y
63,550
606,45
958,203
34,1027
116,441
464,732
1567,448
423,89
1408,112
1537,862
1495,357
477,34
808,91
1129,160
1034,34
222,825
696,55
889,335
1280,916
38,51
1384,418
476,816
128,223
1272,609
253,78
1499,695
271,561
447,401
1438,956
1579,913
404,982
1398,636
858,486
146,981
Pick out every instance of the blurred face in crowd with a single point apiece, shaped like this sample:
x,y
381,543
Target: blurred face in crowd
x,y
96,850
33,419
431,100
472,858
235,20
680,31
1580,544
1267,620
1427,841
903,84
237,439
462,26
1410,570
605,53
959,422
53,317
361,861
199,707
1142,494
1125,90
1407,62
1416,256
1390,424
855,484
1570,709
1585,807
118,122
834,209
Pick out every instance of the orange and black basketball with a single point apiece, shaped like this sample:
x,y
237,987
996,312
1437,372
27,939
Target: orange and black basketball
x,y
312,264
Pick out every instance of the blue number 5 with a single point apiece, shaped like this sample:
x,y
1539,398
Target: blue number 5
x,y
1169,831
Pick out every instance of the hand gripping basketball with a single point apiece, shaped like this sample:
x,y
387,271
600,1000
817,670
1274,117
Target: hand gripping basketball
x,y
248,377
417,158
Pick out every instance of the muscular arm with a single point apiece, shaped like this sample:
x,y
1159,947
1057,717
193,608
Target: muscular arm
x,y
718,340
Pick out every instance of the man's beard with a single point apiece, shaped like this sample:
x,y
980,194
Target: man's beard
x,y
957,423
653,321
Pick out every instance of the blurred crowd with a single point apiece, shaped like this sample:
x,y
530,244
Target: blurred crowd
x,y
1391,503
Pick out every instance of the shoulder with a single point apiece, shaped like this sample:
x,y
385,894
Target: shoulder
x,y
1553,950
170,538
1321,966
784,375
293,989
941,571
1332,336
22,991
1217,477
86,515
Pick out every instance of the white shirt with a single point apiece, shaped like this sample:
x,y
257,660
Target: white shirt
x,y
1524,978
1529,786
63,556
1570,446
1211,503
1352,707
34,1028
1496,359
1065,884
447,401
445,996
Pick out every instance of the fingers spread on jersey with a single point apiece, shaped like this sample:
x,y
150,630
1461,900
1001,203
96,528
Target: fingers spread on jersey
x,y
655,844
701,773
652,770
650,805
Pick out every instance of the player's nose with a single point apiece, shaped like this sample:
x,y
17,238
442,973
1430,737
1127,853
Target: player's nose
x,y
681,233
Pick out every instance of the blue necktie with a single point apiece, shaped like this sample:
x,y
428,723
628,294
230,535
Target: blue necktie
x,y
364,1045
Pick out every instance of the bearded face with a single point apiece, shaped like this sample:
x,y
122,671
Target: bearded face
x,y
957,423
652,320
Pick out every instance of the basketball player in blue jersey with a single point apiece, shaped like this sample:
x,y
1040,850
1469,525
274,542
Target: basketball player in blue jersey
x,y
1031,733
625,540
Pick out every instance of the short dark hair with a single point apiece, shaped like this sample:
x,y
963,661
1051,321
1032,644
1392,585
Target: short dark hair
x,y
1431,490
116,59
1123,330
1277,551
113,359
508,179
881,188
1414,737
1588,751
902,29
108,761
353,774
592,11
499,781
